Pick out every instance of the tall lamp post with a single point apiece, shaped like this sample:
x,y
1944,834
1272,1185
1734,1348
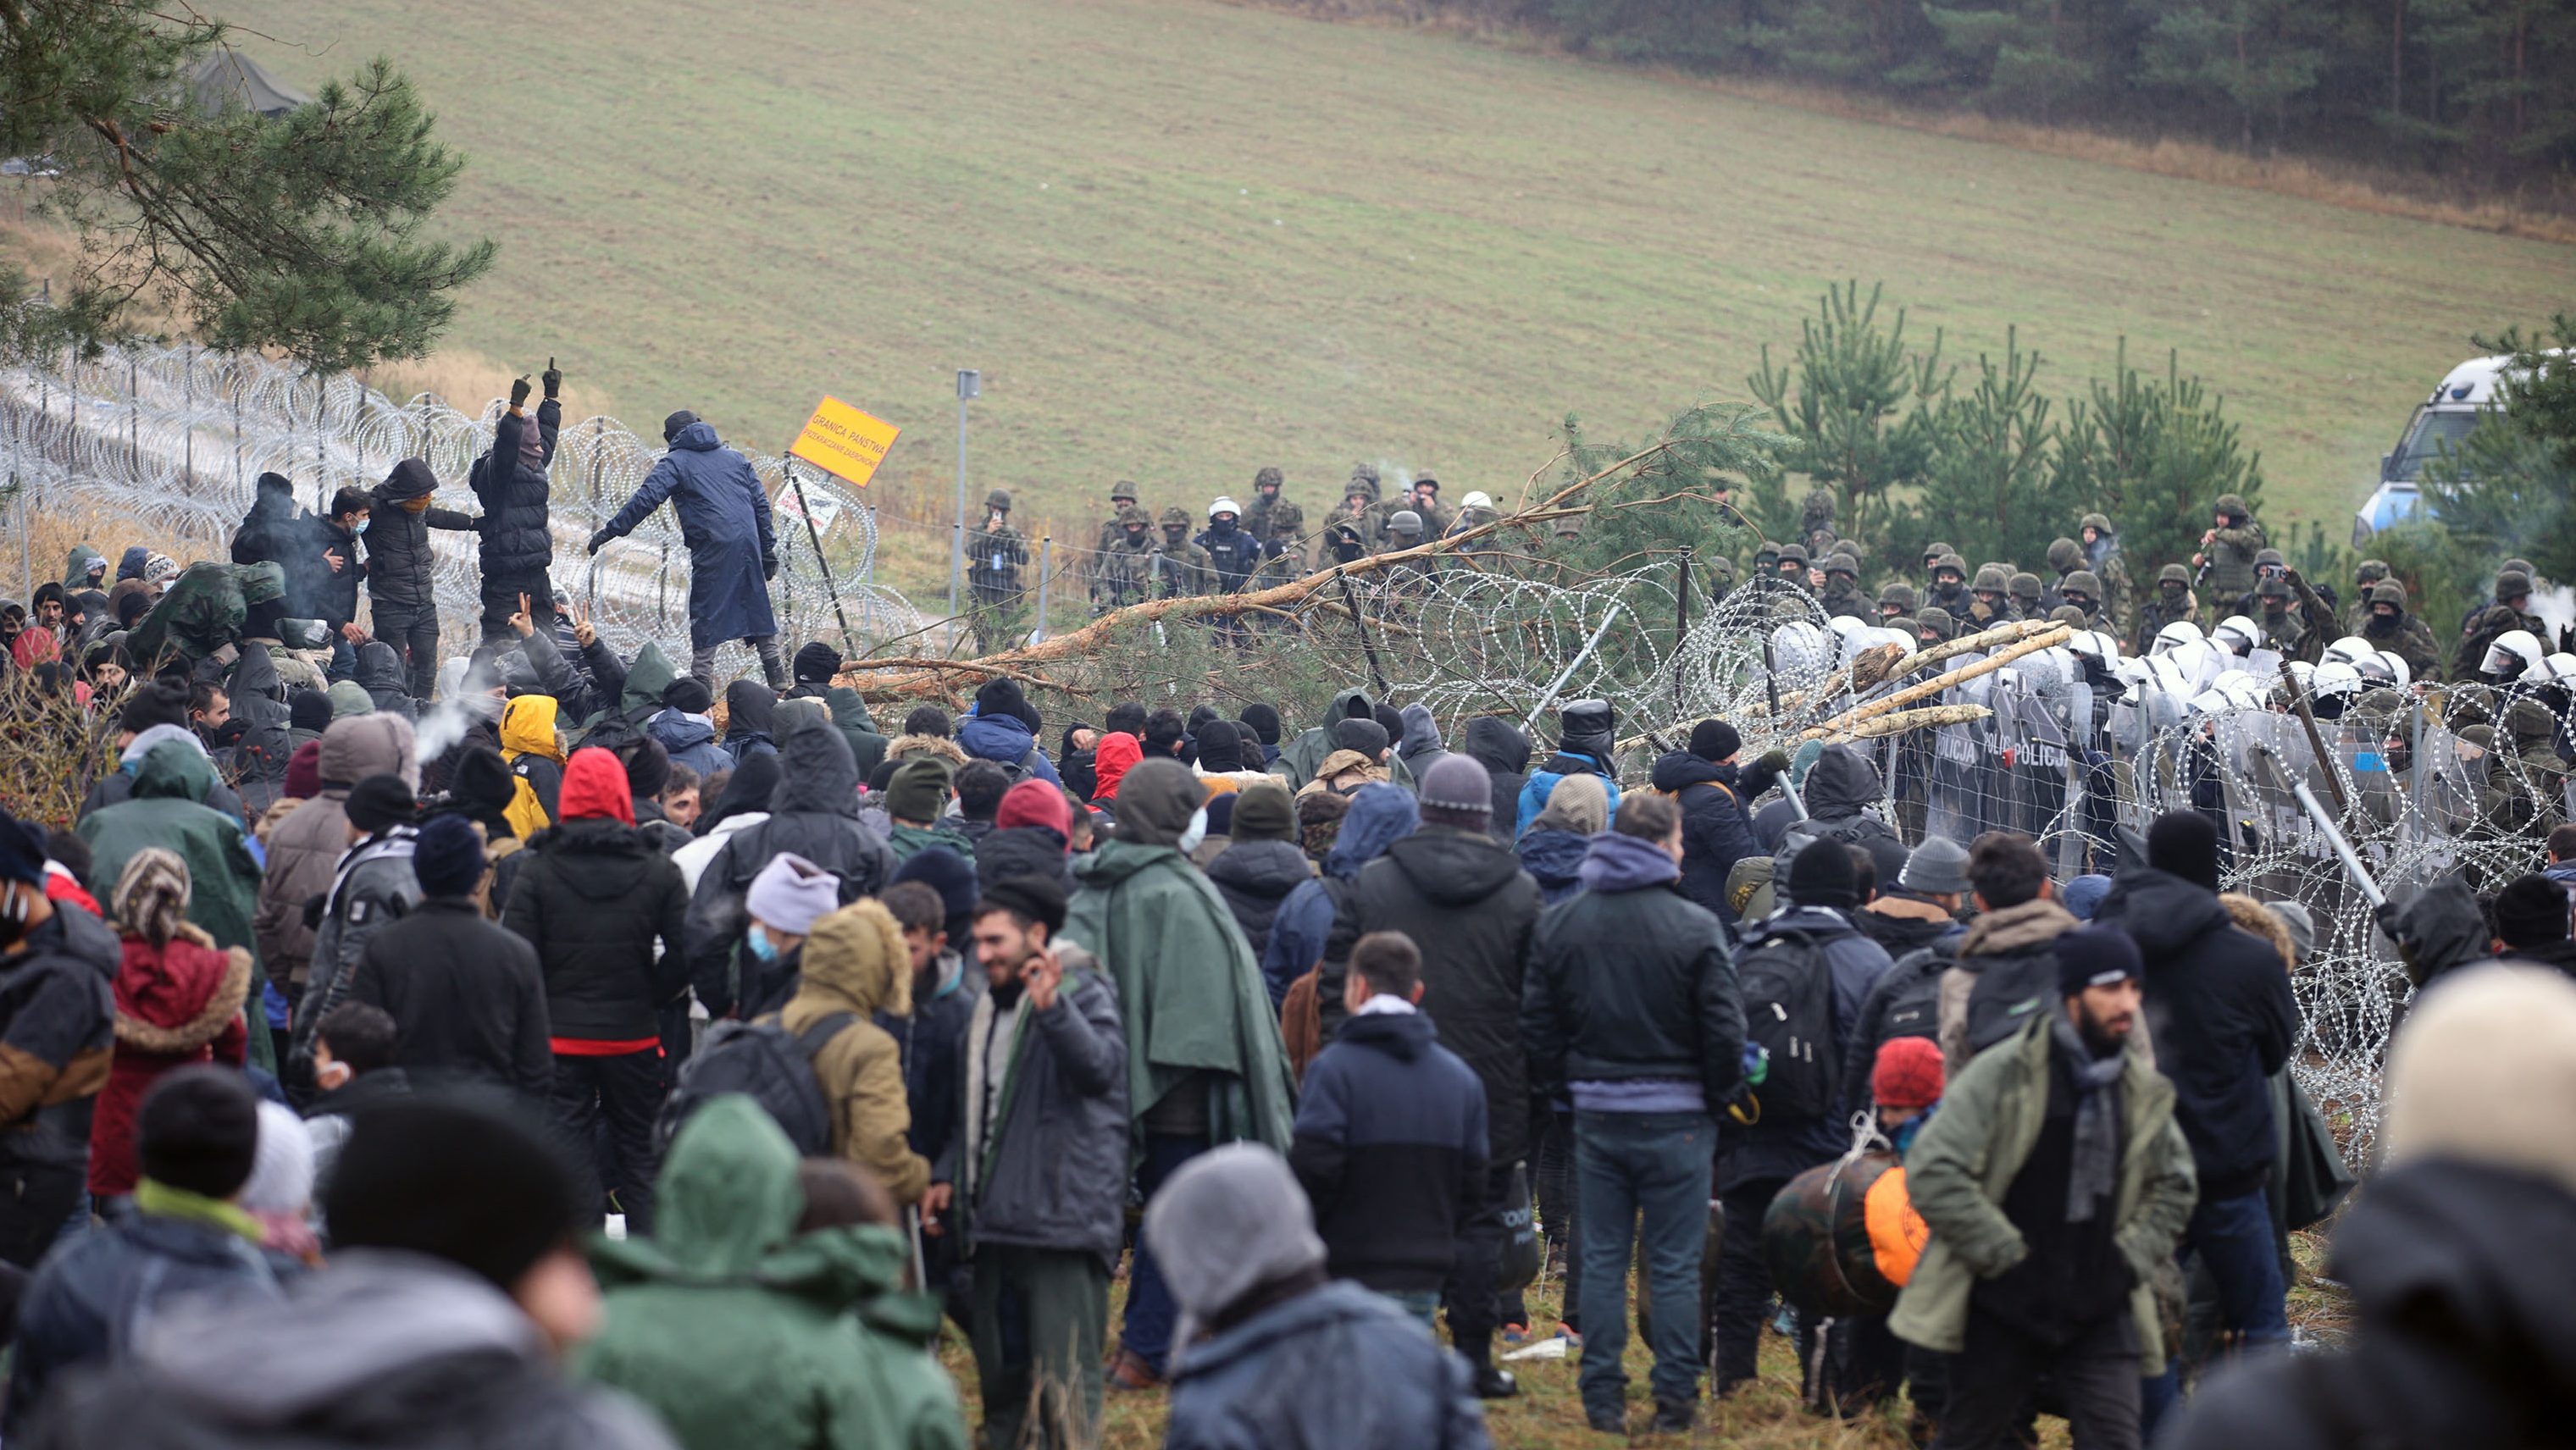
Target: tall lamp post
x,y
970,386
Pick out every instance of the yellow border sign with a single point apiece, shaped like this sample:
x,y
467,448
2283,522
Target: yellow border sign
x,y
844,442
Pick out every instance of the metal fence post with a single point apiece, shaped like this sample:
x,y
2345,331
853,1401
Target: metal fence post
x,y
1046,576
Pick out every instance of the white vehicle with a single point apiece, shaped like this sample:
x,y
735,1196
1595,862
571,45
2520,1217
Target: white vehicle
x,y
2440,422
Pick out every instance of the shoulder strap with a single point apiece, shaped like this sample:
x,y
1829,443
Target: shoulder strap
x,y
814,1039
1717,785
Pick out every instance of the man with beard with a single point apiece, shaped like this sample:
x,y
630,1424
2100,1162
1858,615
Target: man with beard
x,y
2390,627
2054,1181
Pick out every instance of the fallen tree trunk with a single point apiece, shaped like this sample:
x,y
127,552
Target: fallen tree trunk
x,y
1911,693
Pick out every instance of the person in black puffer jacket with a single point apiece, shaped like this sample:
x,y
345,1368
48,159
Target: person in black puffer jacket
x,y
2219,1003
1264,864
518,544
1499,746
400,585
814,812
1716,796
1465,901
593,899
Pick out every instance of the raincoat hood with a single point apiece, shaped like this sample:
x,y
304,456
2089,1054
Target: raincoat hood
x,y
1615,862
380,668
173,771
1156,801
646,679
133,562
1421,732
2440,927
698,437
1552,858
1451,867
748,707
817,775
76,568
1380,815
349,700
2163,911
856,960
528,728
366,745
1115,755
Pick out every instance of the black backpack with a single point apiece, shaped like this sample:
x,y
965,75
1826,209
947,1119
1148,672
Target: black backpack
x,y
1788,992
766,1063
1913,1006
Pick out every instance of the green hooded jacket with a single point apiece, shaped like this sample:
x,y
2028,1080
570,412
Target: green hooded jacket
x,y
741,1334
1300,758
1189,992
76,568
168,809
203,611
907,841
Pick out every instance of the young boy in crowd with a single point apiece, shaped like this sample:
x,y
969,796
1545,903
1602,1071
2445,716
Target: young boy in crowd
x,y
353,1066
1390,1141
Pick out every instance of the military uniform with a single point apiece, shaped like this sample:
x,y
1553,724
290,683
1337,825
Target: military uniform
x,y
1897,605
1717,576
2534,734
2494,621
1949,591
1283,558
2403,634
2285,626
2166,606
1816,523
2027,599
1126,571
2365,579
1435,519
1121,498
2231,547
2119,601
1404,531
2268,564
1184,568
1266,486
2082,591
1989,604
994,554
1842,596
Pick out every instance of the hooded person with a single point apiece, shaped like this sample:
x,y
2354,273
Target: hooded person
x,y
56,1021
1205,1064
1587,743
1359,757
1300,759
168,811
1263,865
304,849
380,675
854,967
178,1002
510,480
1117,753
814,814
1222,758
685,727
1311,932
1463,898
737,1327
1277,1354
733,552
401,588
532,745
467,996
748,728
1419,745
999,729
2460,1333
2438,929
1498,745
1553,848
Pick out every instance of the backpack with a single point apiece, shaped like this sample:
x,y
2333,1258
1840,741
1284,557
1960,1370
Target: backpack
x,y
1788,992
1913,1008
766,1063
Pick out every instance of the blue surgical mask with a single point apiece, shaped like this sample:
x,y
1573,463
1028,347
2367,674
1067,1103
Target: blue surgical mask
x,y
760,944
359,527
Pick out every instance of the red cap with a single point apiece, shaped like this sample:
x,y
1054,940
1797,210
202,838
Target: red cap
x,y
1034,803
1908,1073
1117,753
594,784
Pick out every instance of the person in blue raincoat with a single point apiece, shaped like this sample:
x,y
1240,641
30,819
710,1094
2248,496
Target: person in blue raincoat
x,y
733,552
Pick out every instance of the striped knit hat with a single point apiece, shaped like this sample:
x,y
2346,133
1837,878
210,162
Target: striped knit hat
x,y
152,895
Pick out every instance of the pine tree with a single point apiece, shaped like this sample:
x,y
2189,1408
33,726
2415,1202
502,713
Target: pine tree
x,y
1853,400
1993,450
2152,454
303,233
2251,56
2510,489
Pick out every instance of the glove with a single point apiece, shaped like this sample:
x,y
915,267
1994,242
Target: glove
x,y
518,391
1775,761
553,377
599,541
769,566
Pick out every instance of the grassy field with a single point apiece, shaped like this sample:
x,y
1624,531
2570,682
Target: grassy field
x,y
1185,239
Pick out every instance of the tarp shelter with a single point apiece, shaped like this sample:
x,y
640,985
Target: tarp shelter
x,y
225,76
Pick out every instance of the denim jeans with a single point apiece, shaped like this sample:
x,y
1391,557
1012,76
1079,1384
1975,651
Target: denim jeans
x,y
1151,1315
1422,1304
2233,1236
1641,1178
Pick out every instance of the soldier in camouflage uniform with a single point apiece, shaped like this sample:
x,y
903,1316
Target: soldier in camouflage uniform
x,y
2534,733
1342,542
1404,530
1359,508
1122,497
994,554
2391,628
2065,556
1126,570
1949,592
2173,603
1990,605
1935,625
2285,626
1426,503
1283,554
2082,591
2364,579
1266,486
1897,604
2102,556
1933,554
2229,548
2024,592
1718,578
1184,569
2268,564
2510,611
1842,594
1816,523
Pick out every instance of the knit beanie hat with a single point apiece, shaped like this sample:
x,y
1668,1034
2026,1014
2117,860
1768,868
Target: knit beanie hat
x,y
1907,1074
1034,803
1821,875
1365,736
2481,1072
2083,895
1000,695
1938,867
918,790
1457,792
1263,811
2531,911
448,858
309,710
2096,956
1319,822
2185,843
1220,746
792,893
1714,740
22,850
281,1174
817,663
304,771
1036,897
151,897
1227,1222
689,695
594,787
198,1130
1264,721
1156,801
953,877
380,803
456,1178
349,699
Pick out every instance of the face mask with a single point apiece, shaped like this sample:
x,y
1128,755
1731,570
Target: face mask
x,y
359,527
761,946
1197,832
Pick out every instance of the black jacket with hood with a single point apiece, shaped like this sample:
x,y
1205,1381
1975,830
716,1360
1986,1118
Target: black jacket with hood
x,y
2219,1004
517,545
593,899
1717,822
1469,906
1498,745
399,581
1254,877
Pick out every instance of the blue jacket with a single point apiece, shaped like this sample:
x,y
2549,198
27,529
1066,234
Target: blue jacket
x,y
1390,1147
89,1302
1553,859
1380,815
1785,1150
689,740
1005,741
724,519
1339,1365
1543,780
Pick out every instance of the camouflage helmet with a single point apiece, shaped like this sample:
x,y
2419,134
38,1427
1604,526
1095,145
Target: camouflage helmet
x,y
2510,565
1286,517
1951,562
2512,584
2064,555
2273,587
1843,564
1177,517
2024,585
1359,487
1936,621
2530,724
2174,574
1766,553
1365,476
1134,517
1898,593
2098,523
998,499
2371,571
1936,549
1990,580
1847,549
2263,557
2389,591
1122,489
2068,614
2233,505
2084,582
1793,554
1270,476
1722,569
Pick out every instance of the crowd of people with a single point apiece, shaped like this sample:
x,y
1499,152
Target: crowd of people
x,y
398,1049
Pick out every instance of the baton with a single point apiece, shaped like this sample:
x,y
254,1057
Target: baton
x,y
2316,810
